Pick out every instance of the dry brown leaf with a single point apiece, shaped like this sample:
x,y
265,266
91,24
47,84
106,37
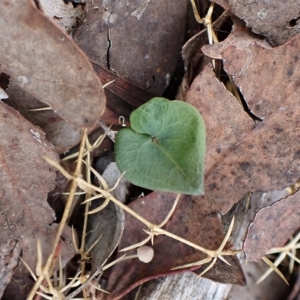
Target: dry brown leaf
x,y
239,36
61,134
47,64
192,220
25,180
133,40
277,21
267,78
243,156
272,227
10,252
107,225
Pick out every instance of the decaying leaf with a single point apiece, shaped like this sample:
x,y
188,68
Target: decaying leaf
x,y
10,252
272,227
60,133
243,156
106,226
278,22
239,36
245,210
25,180
191,220
50,66
267,78
133,40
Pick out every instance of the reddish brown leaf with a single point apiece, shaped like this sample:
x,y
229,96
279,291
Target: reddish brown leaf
x,y
25,180
268,78
47,64
242,156
272,227
191,220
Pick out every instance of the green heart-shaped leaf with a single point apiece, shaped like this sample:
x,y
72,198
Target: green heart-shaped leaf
x,y
165,147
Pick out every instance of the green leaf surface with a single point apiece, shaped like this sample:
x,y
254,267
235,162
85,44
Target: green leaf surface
x,y
165,147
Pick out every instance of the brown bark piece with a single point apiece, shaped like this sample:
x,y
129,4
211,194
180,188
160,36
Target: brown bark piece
x,y
25,180
133,39
50,66
272,226
192,220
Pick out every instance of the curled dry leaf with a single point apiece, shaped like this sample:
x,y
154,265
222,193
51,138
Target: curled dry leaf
x,y
47,64
243,156
192,220
272,19
25,180
272,226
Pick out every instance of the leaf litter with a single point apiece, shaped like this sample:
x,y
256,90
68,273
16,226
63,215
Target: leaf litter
x,y
25,181
242,156
62,81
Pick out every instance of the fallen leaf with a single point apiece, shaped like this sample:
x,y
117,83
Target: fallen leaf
x,y
272,227
10,252
245,210
112,175
242,156
268,78
106,226
275,21
239,36
61,134
50,66
127,91
191,220
132,40
25,180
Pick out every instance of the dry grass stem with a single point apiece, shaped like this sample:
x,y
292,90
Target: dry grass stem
x,y
45,269
289,250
